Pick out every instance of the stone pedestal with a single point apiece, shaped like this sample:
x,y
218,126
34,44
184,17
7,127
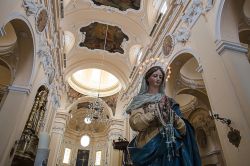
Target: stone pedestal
x,y
43,149
41,157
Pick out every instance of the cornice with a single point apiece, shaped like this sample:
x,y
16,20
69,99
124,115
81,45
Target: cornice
x,y
223,45
21,89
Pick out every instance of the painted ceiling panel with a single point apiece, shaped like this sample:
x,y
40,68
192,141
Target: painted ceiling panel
x,y
122,5
94,37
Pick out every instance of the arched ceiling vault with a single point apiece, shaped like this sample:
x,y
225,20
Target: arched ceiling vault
x,y
134,24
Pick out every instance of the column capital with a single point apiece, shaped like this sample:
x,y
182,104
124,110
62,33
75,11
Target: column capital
x,y
60,122
21,89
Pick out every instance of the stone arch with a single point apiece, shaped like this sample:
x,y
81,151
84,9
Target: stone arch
x,y
20,57
24,51
227,20
16,16
176,63
197,93
6,79
200,107
206,136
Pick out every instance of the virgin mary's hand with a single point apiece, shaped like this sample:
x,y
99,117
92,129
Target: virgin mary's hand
x,y
165,116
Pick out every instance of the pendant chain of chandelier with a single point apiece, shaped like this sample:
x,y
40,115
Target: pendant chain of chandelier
x,y
96,107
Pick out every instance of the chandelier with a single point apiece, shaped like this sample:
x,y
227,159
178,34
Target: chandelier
x,y
96,113
96,107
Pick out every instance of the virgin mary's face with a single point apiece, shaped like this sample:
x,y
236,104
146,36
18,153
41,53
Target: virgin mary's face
x,y
155,79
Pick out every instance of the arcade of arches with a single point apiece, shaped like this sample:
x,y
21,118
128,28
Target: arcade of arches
x,y
57,58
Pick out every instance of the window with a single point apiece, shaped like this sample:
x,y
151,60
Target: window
x,y
66,158
85,140
164,8
98,157
139,56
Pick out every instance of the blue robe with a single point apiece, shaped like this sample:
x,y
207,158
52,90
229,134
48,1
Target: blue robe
x,y
155,153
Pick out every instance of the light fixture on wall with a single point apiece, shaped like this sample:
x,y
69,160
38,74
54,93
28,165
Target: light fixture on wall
x,y
233,135
97,109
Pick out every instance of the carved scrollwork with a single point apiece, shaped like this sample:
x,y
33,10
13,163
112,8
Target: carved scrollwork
x,y
209,5
55,97
182,34
31,7
180,2
46,59
190,16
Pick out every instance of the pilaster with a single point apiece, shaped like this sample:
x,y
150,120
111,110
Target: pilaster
x,y
57,135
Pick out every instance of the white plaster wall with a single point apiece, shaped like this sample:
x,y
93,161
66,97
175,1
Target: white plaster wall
x,y
13,116
189,69
223,98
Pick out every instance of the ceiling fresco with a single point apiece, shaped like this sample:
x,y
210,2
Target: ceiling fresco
x,y
111,102
74,95
76,122
122,5
83,105
93,37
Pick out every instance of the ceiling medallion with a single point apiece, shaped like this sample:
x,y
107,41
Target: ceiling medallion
x,y
168,45
97,35
121,5
41,19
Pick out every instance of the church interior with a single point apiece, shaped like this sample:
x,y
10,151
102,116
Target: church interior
x,y
70,68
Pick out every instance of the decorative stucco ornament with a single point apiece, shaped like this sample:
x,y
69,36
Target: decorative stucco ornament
x,y
47,62
31,7
182,35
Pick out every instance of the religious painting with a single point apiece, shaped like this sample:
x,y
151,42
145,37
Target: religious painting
x,y
82,157
122,5
73,94
104,37
83,105
168,45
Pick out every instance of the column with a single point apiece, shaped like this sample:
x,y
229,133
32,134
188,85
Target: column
x,y
12,121
57,135
235,60
225,77
116,130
